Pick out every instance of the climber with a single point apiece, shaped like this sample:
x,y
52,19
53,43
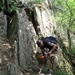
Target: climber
x,y
48,44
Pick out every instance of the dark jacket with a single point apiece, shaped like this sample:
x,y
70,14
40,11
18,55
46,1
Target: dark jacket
x,y
48,41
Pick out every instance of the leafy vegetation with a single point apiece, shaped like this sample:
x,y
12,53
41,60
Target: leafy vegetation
x,y
36,1
72,50
12,6
59,72
65,18
9,73
65,13
2,6
8,7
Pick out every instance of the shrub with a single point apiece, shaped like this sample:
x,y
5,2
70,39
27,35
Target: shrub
x,y
59,72
36,1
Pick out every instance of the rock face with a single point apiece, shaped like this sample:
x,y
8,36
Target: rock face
x,y
23,1
3,27
26,37
4,46
44,17
25,27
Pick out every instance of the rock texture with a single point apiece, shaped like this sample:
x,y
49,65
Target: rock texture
x,y
24,28
3,26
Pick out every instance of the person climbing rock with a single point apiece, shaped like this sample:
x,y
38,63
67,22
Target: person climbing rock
x,y
48,43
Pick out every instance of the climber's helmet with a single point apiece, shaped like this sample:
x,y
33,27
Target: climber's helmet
x,y
38,43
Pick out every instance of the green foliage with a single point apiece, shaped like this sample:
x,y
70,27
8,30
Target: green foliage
x,y
36,1
72,51
59,72
11,6
9,73
45,68
65,16
1,5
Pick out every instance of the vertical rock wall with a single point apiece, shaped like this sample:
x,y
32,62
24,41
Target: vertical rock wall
x,y
27,37
3,26
23,38
44,17
28,32
23,1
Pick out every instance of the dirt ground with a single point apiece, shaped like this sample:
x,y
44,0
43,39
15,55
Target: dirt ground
x,y
7,56
33,73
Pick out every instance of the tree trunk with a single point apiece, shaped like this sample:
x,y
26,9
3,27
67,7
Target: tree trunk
x,y
69,39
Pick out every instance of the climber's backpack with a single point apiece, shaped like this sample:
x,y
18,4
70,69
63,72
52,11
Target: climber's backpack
x,y
52,39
